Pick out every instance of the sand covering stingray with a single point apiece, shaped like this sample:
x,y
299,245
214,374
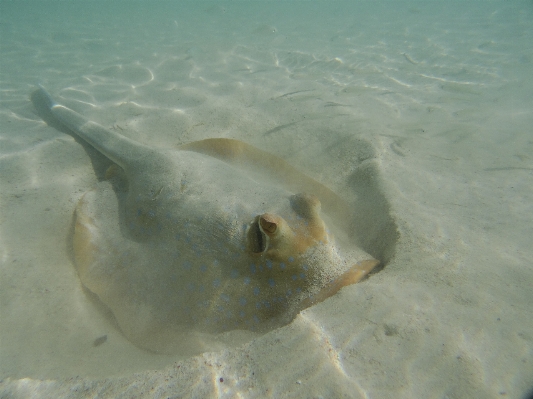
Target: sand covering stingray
x,y
211,237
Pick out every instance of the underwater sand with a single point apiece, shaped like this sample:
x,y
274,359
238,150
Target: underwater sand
x,y
421,110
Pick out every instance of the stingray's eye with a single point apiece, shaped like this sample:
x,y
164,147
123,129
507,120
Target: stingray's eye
x,y
257,240
268,227
305,205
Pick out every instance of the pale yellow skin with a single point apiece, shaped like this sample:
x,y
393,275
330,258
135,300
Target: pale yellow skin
x,y
180,243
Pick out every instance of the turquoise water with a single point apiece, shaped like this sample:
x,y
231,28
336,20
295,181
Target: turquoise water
x,y
441,92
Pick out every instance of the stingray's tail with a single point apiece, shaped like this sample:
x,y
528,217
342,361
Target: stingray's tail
x,y
45,97
121,150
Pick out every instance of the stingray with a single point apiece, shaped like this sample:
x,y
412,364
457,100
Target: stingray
x,y
211,237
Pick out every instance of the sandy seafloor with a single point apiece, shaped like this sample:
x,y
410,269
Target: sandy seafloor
x,y
440,93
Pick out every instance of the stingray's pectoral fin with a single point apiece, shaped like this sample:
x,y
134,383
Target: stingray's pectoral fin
x,y
83,240
97,240
243,155
107,263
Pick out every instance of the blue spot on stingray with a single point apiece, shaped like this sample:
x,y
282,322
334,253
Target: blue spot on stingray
x,y
256,290
203,268
294,277
298,290
252,268
266,304
139,212
271,282
190,286
291,259
282,266
258,305
256,319
269,263
305,267
242,314
216,282
242,301
234,273
289,292
187,265
247,280
302,276
224,297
